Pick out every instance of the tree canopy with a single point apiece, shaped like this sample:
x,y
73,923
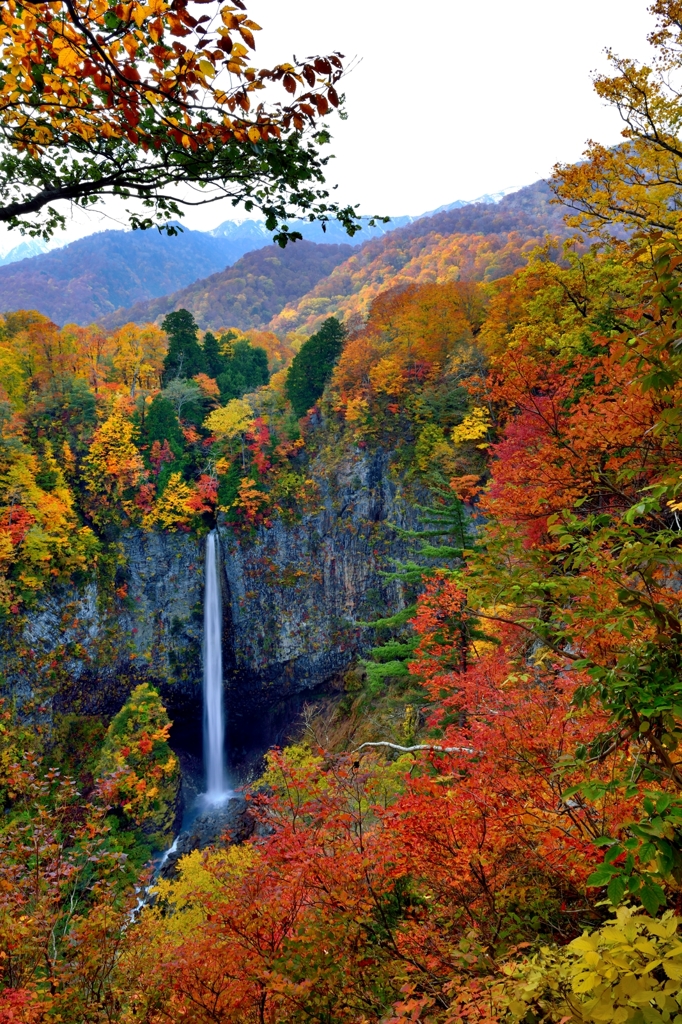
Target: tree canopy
x,y
636,184
137,100
313,364
245,369
185,356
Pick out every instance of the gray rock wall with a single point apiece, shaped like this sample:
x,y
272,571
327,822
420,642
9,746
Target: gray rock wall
x,y
93,647
294,596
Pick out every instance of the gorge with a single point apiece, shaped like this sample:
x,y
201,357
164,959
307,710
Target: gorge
x,y
283,612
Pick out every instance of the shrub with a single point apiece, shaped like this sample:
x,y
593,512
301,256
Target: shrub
x,y
140,772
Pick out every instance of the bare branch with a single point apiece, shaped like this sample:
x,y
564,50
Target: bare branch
x,y
418,746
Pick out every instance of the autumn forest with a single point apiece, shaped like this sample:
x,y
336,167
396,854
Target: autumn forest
x,y
435,656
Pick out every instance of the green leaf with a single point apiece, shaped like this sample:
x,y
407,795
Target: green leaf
x,y
652,897
616,889
602,876
647,852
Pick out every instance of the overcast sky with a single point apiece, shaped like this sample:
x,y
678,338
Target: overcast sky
x,y
450,99
456,98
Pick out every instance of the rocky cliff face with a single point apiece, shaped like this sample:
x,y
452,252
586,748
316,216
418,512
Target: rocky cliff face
x,y
293,598
93,646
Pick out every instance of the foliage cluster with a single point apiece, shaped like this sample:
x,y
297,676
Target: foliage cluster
x,y
141,772
514,852
67,868
101,431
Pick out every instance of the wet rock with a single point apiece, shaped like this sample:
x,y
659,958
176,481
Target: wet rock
x,y
231,822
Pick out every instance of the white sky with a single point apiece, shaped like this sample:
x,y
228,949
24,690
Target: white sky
x,y
456,98
451,99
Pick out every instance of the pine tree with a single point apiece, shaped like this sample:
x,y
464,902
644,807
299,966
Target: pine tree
x,y
313,364
161,424
185,357
215,361
245,370
445,536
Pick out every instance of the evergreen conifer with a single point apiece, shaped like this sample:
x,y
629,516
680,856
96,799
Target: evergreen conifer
x,y
185,356
313,364
214,360
245,370
161,424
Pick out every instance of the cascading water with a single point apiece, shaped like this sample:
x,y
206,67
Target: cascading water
x,y
214,717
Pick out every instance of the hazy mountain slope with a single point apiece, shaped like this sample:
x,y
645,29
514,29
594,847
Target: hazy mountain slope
x,y
98,274
248,294
478,242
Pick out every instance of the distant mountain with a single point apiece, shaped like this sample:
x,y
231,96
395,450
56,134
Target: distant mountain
x,y
489,197
23,251
248,294
480,242
94,276
312,232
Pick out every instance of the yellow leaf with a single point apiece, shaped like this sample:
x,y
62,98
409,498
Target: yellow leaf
x,y
68,59
586,982
139,15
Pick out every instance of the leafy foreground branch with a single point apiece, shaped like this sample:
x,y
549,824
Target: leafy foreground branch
x,y
151,104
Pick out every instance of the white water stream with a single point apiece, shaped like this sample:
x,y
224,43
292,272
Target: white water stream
x,y
214,715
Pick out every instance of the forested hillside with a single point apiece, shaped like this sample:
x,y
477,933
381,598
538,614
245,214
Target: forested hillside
x,y
296,290
98,274
425,557
248,294
481,242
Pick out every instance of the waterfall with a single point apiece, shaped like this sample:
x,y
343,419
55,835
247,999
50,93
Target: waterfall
x,y
214,718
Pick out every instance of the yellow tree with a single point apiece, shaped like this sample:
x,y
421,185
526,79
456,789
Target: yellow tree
x,y
172,510
90,347
138,355
40,537
231,421
112,468
637,183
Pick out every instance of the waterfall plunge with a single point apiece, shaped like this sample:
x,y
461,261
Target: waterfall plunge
x,y
214,718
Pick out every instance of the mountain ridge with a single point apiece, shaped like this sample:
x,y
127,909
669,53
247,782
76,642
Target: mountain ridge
x,y
247,294
92,277
478,241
